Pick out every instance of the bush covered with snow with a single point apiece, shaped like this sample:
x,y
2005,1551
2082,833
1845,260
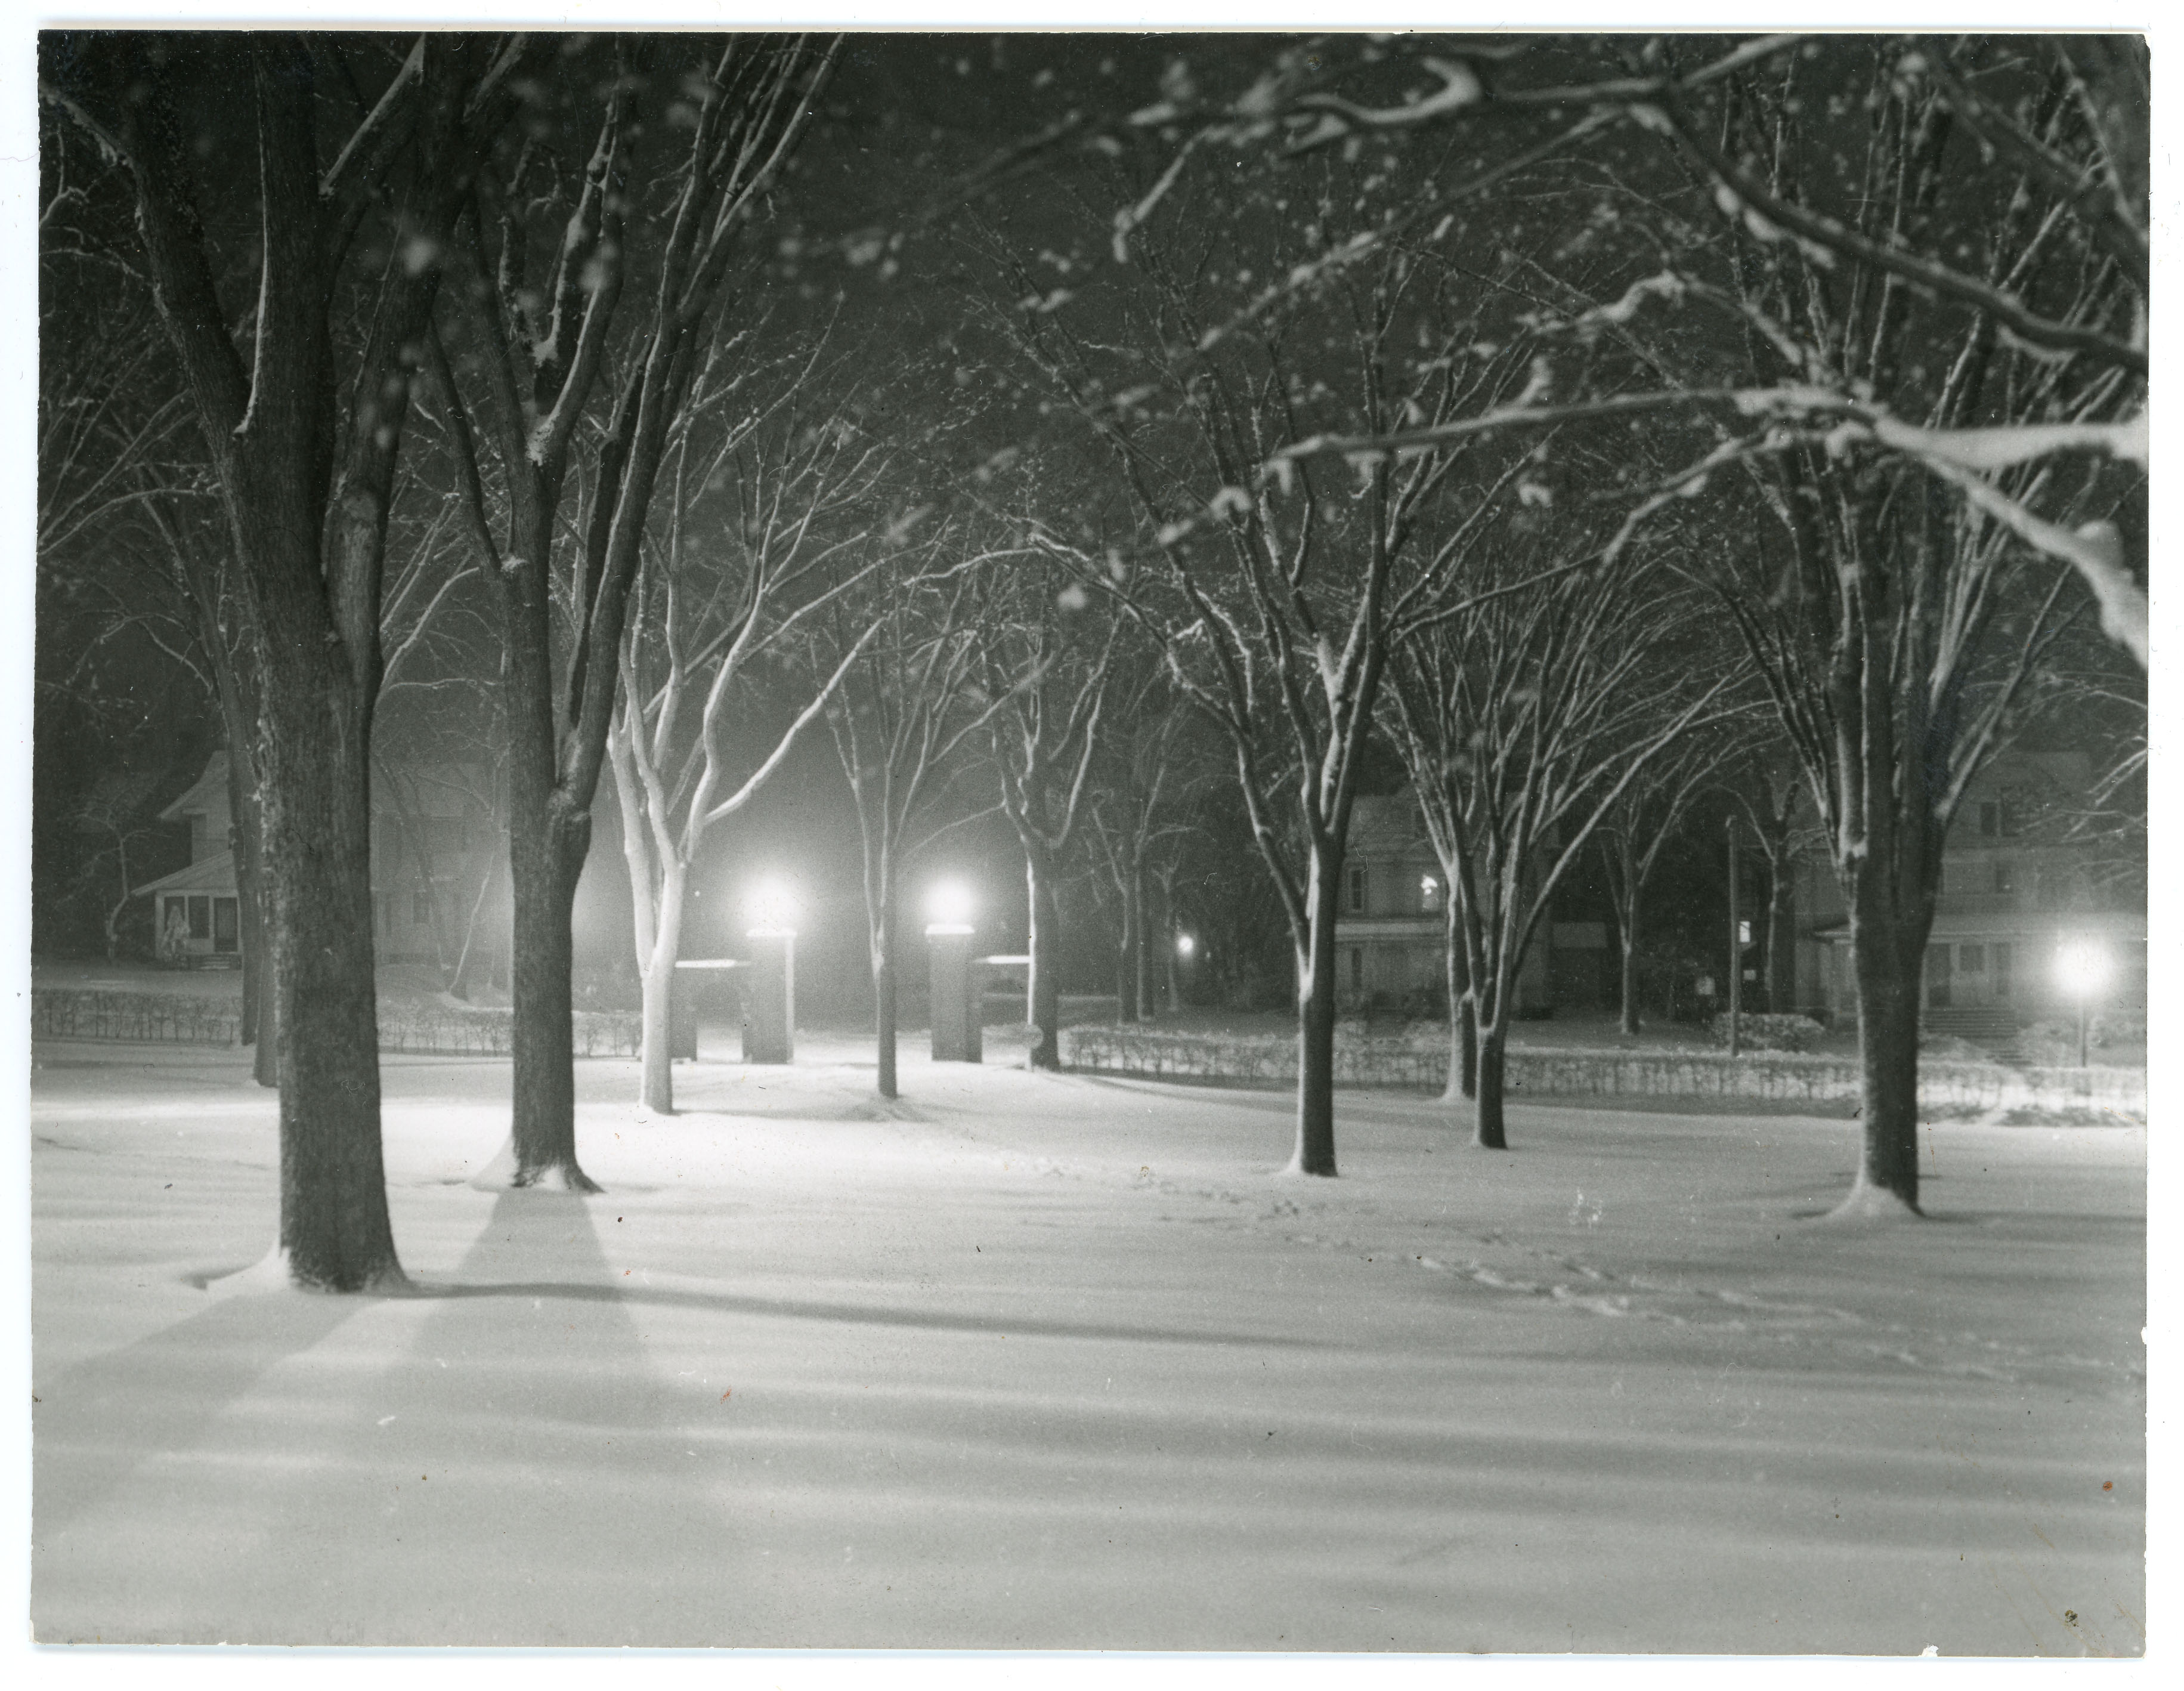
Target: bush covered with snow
x,y
2056,1040
428,1025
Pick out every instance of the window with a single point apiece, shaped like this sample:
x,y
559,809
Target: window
x,y
2003,960
1428,893
420,905
1989,820
200,917
2005,875
1356,891
1972,959
1356,969
224,932
2013,816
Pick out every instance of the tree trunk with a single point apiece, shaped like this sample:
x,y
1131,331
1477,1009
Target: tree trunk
x,y
1629,984
1126,970
335,1234
1886,967
1315,989
246,840
1043,991
880,917
1488,1130
1141,980
549,837
1782,969
1172,965
658,1088
1462,1009
261,989
545,862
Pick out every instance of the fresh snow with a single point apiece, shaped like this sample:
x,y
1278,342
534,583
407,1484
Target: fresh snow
x,y
1031,1360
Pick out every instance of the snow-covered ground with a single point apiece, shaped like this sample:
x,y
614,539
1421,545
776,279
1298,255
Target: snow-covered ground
x,y
1036,1360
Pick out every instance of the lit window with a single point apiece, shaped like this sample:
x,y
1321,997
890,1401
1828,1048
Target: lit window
x,y
1428,893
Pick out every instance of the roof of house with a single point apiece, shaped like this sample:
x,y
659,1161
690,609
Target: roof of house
x,y
207,792
212,874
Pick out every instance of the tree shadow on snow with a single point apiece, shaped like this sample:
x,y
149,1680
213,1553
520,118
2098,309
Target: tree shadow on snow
x,y
871,1315
98,1423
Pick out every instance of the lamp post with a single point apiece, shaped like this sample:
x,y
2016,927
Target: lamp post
x,y
2081,969
1736,950
956,1034
770,1008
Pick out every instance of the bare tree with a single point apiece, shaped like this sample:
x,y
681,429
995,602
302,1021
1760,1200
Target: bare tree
x,y
1046,663
303,445
1769,787
905,718
1633,832
2050,136
1899,629
1135,781
114,810
550,256
769,515
1277,600
1521,729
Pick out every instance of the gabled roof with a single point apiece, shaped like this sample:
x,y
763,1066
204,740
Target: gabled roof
x,y
207,793
212,874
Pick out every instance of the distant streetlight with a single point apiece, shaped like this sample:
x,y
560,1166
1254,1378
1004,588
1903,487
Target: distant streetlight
x,y
771,907
1185,946
948,908
2081,969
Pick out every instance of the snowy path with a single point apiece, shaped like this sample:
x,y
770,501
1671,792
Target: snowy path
x,y
1054,1361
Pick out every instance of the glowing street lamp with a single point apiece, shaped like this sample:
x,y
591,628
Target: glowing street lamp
x,y
948,908
1185,946
2081,969
954,999
770,1009
771,908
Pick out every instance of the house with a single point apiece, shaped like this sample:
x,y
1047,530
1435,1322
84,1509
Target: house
x,y
1390,932
434,848
196,920
2015,888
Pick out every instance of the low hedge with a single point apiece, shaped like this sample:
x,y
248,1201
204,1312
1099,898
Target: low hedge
x,y
1944,1087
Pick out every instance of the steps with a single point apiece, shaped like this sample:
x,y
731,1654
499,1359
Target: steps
x,y
1991,1026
